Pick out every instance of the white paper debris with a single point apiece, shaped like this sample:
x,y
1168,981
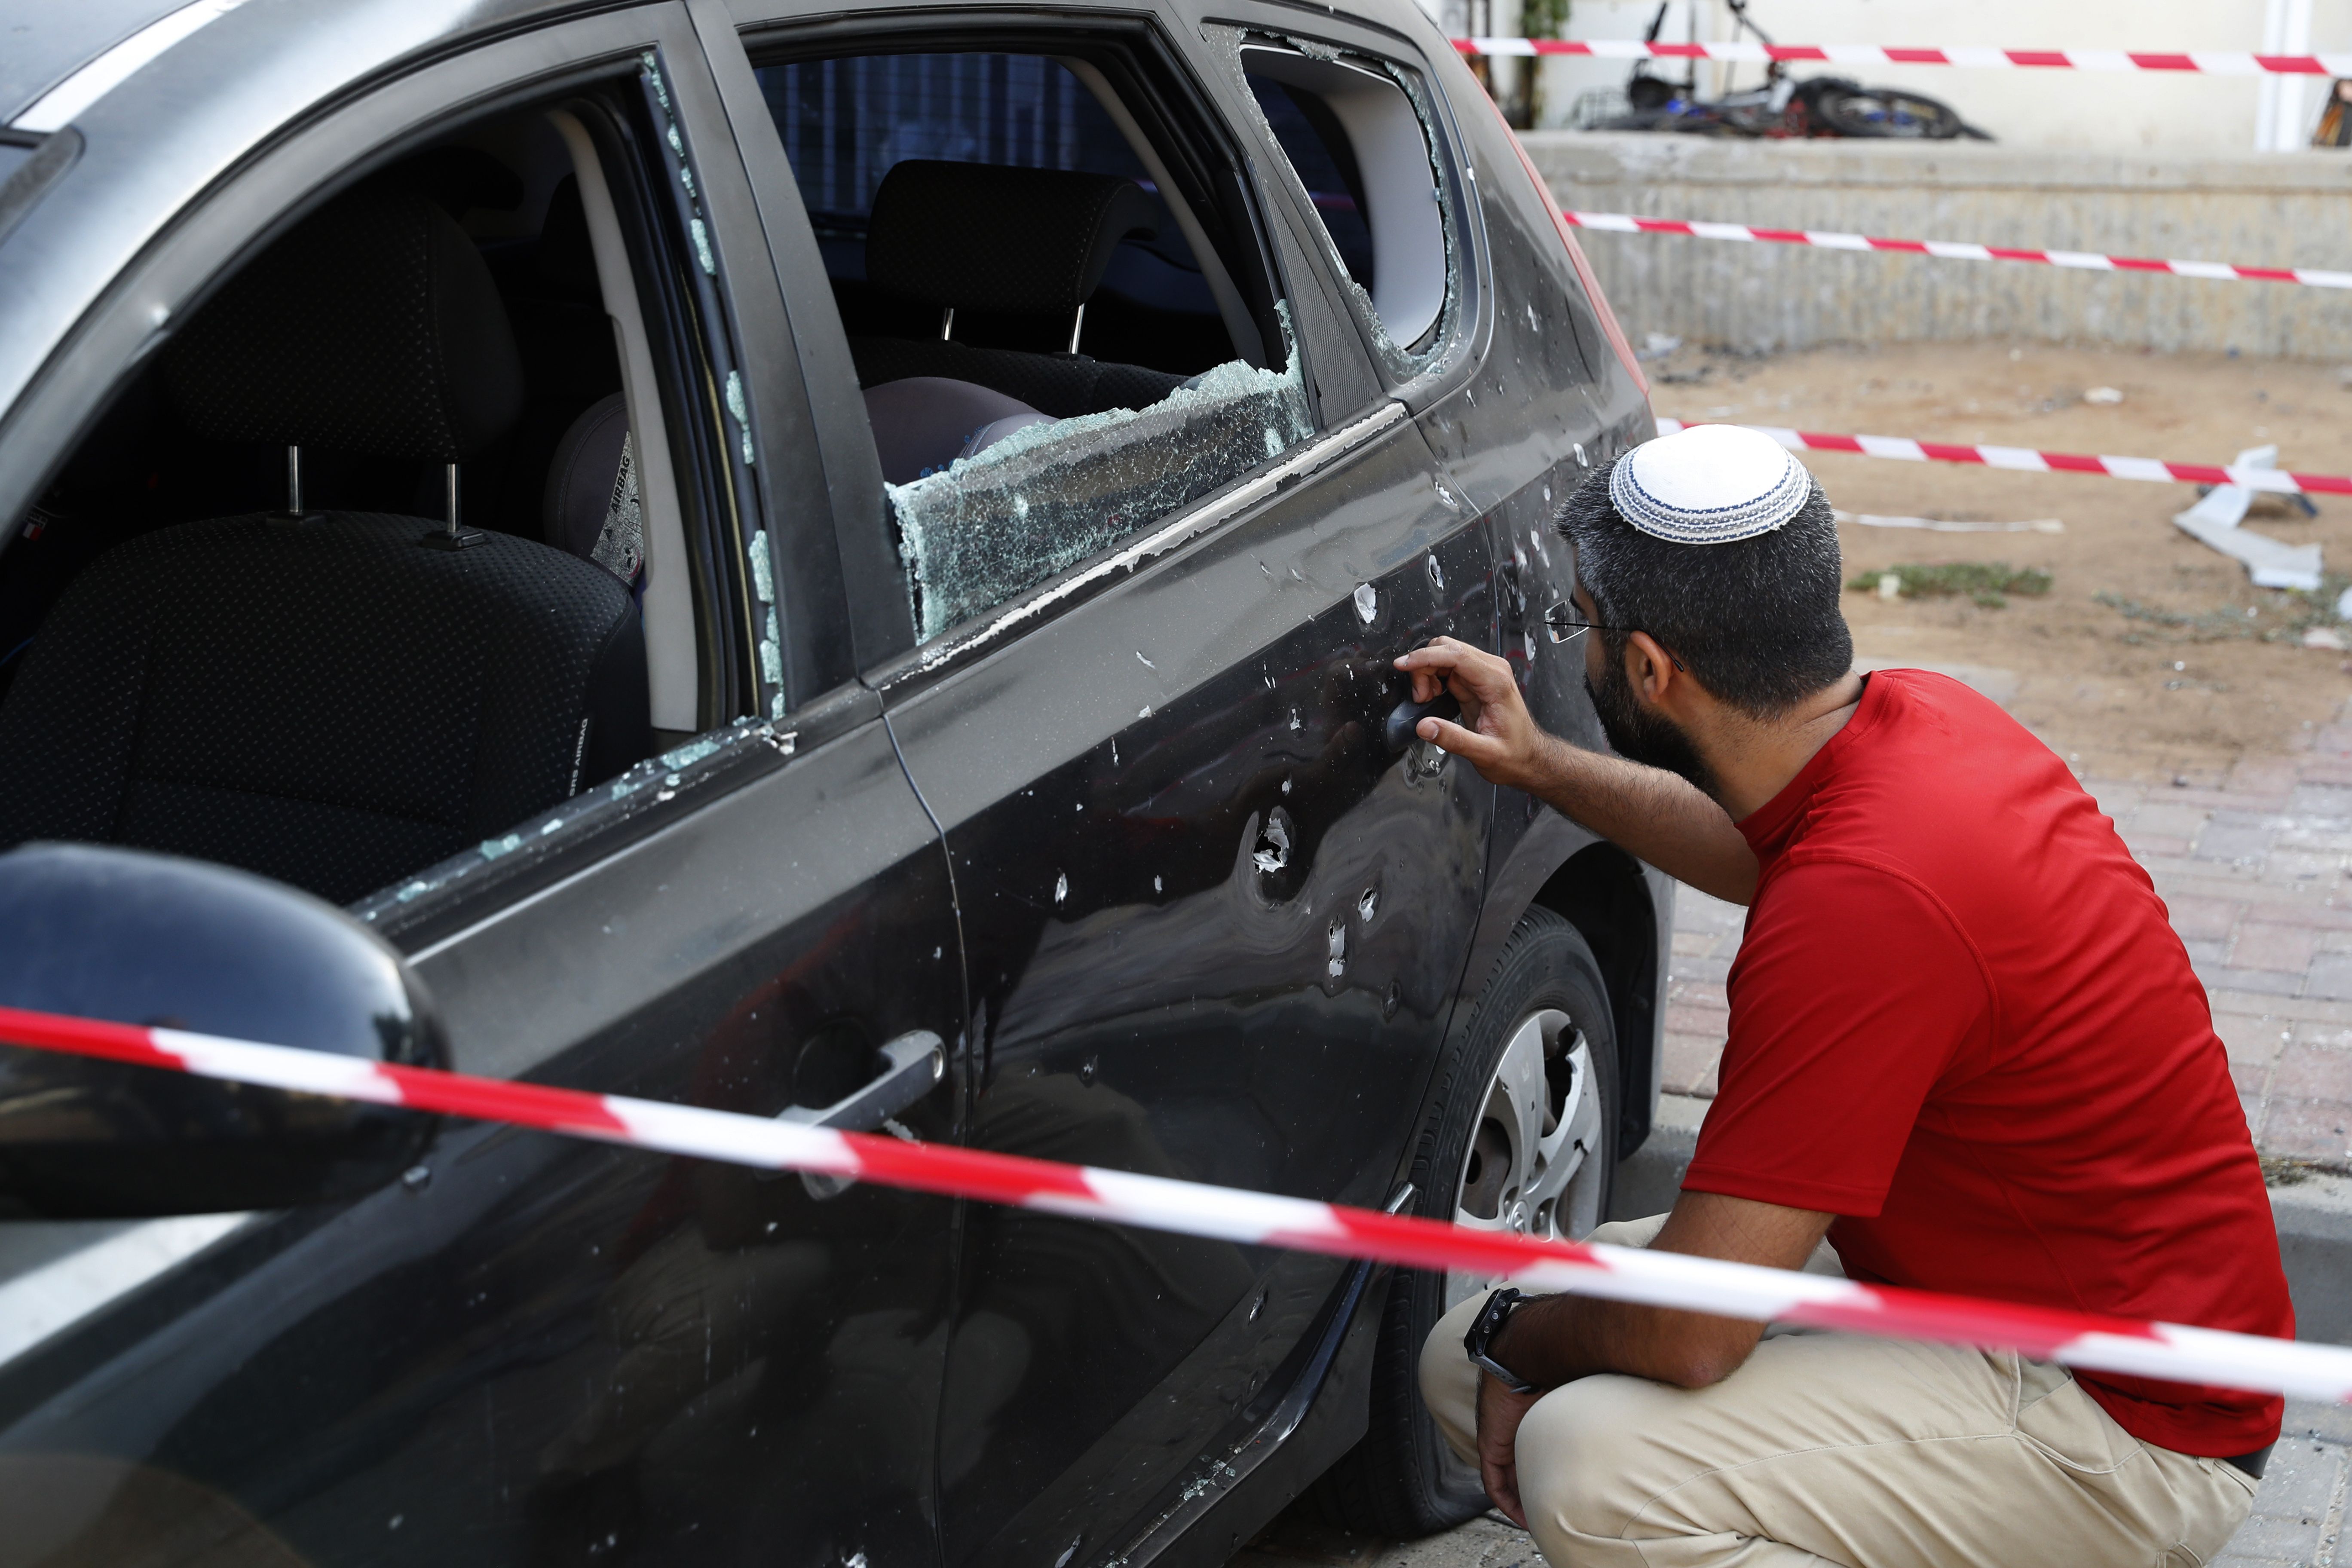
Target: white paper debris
x,y
2271,563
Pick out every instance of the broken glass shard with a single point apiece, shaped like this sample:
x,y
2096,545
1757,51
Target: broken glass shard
x,y
1368,603
1437,576
1337,937
1061,887
1295,723
1044,499
1369,905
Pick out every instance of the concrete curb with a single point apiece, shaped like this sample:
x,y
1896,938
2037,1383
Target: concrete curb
x,y
2314,1225
2315,1218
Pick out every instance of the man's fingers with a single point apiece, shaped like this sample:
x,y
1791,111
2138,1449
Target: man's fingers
x,y
1468,744
1480,671
1502,1482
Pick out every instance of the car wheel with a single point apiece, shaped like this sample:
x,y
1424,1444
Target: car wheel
x,y
1520,1135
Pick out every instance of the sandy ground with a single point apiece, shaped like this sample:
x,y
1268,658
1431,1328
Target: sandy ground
x,y
2186,682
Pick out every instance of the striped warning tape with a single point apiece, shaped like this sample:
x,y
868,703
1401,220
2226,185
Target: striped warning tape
x,y
2167,1351
2026,459
1954,250
2210,62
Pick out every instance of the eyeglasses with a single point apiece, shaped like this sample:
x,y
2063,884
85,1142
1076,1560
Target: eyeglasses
x,y
1563,623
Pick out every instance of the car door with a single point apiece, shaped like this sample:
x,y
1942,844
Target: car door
x,y
1213,923
533,1348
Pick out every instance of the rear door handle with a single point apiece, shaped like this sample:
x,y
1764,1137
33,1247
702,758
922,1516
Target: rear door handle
x,y
908,1065
1406,717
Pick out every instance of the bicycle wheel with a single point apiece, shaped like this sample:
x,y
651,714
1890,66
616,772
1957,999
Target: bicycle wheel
x,y
1847,110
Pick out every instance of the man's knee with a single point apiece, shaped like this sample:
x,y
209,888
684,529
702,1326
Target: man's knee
x,y
1581,1452
1449,1383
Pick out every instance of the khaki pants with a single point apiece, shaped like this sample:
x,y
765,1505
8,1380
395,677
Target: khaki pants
x,y
1841,1448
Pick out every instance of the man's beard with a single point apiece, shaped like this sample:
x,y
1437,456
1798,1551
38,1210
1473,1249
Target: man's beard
x,y
1639,735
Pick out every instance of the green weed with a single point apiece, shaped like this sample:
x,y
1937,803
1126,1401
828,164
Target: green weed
x,y
1986,582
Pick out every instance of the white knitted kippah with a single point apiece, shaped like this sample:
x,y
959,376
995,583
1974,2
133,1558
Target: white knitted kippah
x,y
1710,484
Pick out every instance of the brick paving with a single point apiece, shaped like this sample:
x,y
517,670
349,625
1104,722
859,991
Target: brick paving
x,y
2256,869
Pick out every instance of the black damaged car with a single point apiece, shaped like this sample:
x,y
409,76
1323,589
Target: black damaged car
x,y
832,562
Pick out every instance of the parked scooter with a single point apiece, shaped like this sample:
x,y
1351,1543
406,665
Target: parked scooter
x,y
1784,106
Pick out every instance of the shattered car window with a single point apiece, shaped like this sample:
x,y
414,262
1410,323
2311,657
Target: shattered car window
x,y
1356,142
1046,498
1047,330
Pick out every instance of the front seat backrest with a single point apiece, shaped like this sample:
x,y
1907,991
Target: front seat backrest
x,y
327,702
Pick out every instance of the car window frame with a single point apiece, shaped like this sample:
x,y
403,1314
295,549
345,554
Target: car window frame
x,y
764,26
371,122
1453,366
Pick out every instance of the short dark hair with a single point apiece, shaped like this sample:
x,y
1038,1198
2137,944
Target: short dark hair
x,y
1756,621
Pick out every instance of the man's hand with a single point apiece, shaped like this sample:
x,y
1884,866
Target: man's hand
x,y
1555,1339
1499,1413
1655,815
1497,735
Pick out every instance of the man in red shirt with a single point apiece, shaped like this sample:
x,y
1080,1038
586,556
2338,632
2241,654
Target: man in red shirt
x,y
1966,1047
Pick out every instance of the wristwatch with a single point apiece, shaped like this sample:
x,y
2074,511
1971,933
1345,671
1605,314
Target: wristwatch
x,y
1483,1329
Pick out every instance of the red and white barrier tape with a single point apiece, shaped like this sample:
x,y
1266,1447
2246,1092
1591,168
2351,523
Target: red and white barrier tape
x,y
2026,459
2167,1351
1955,250
2209,62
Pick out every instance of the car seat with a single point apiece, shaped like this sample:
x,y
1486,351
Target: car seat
x,y
924,423
984,238
320,698
591,508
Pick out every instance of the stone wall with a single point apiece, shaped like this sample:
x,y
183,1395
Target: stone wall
x,y
2290,209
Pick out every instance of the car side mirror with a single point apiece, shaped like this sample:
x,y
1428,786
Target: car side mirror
x,y
138,938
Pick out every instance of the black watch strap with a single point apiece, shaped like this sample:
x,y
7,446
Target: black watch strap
x,y
1483,1329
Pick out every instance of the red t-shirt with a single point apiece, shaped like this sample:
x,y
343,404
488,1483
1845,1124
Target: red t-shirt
x,y
1960,1020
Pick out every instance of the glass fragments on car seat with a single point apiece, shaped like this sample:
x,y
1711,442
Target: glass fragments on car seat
x,y
1046,498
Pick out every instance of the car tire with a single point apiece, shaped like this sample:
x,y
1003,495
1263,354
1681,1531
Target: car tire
x,y
1402,1481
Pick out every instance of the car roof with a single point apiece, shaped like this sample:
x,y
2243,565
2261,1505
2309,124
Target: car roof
x,y
43,42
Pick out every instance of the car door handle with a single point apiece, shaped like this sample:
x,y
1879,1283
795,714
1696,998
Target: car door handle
x,y
1408,714
909,1066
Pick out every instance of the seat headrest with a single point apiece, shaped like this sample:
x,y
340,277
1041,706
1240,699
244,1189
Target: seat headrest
x,y
372,328
983,236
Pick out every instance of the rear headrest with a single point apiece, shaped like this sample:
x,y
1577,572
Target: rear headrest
x,y
372,328
986,237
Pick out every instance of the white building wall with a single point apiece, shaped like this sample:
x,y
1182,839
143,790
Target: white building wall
x,y
2097,111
